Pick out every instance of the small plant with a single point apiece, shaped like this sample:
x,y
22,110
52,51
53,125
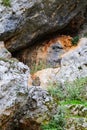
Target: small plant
x,y
75,40
56,91
57,122
71,91
36,67
6,2
75,90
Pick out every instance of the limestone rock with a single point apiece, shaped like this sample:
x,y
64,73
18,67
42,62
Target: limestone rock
x,y
21,104
26,21
77,119
13,87
77,123
73,65
4,53
37,110
77,110
34,109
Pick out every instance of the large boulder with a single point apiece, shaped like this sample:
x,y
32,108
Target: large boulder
x,y
21,104
26,21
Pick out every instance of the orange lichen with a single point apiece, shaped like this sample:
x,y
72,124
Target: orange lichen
x,y
65,41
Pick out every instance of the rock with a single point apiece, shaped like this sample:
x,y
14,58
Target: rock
x,y
4,53
25,22
77,110
46,76
21,106
13,87
47,54
36,109
76,123
73,65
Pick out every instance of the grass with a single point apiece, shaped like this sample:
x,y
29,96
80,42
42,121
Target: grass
x,y
72,94
6,2
74,102
36,67
57,122
72,91
56,91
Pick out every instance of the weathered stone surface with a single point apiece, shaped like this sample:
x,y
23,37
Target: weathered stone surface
x,y
21,106
77,117
38,109
76,123
35,108
73,65
25,21
13,82
4,53
77,110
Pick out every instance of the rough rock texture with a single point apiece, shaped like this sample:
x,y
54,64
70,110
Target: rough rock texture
x,y
77,117
20,103
36,109
26,21
47,54
13,81
4,53
77,123
73,65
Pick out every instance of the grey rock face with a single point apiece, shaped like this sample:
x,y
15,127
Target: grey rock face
x,y
77,123
4,53
20,103
27,20
78,117
38,108
74,63
13,82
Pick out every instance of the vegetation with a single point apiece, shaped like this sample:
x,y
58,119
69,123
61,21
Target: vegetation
x,y
69,93
6,2
74,102
41,65
57,122
56,91
75,40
